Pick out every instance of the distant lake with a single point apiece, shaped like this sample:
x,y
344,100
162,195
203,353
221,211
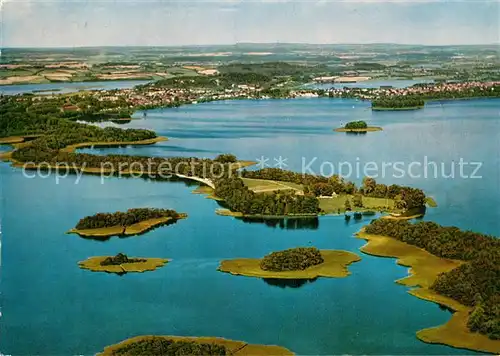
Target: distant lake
x,y
61,88
370,84
50,306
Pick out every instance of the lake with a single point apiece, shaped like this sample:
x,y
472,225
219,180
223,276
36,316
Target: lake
x,y
376,83
50,306
63,88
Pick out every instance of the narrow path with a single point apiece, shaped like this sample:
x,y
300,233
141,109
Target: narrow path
x,y
198,179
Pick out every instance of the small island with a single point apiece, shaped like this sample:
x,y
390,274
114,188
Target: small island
x,y
132,222
295,263
202,346
121,264
358,126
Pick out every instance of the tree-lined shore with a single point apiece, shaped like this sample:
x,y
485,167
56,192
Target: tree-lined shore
x,y
475,283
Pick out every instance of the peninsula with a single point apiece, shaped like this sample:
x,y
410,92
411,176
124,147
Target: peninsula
x,y
132,222
450,267
121,264
181,345
295,263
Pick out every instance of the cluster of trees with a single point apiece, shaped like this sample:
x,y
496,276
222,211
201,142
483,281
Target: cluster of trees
x,y
238,197
162,346
130,217
405,198
447,242
18,118
226,158
399,101
475,283
85,107
321,189
275,69
356,125
120,259
153,167
294,259
215,82
46,147
485,317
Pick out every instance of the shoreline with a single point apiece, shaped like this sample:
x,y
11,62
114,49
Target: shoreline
x,y
409,217
94,264
424,269
375,108
366,129
335,265
237,214
48,82
12,140
149,141
234,347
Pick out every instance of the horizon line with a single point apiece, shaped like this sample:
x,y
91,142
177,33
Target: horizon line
x,y
255,43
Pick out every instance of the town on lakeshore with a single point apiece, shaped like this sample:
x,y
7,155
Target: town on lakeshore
x,y
134,170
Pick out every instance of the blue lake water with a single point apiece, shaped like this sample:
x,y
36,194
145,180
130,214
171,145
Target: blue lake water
x,y
51,307
62,88
371,84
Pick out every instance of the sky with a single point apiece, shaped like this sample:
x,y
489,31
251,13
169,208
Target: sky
x,y
74,23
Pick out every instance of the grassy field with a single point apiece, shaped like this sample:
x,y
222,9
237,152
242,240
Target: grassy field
x,y
94,264
262,186
334,205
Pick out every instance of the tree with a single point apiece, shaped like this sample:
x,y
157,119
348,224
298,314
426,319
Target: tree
x,y
347,205
350,188
225,158
380,191
369,185
399,203
356,125
357,201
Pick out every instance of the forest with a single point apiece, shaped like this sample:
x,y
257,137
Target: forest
x,y
119,259
276,69
18,117
294,259
475,283
238,197
398,102
162,346
220,81
84,107
356,125
130,217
